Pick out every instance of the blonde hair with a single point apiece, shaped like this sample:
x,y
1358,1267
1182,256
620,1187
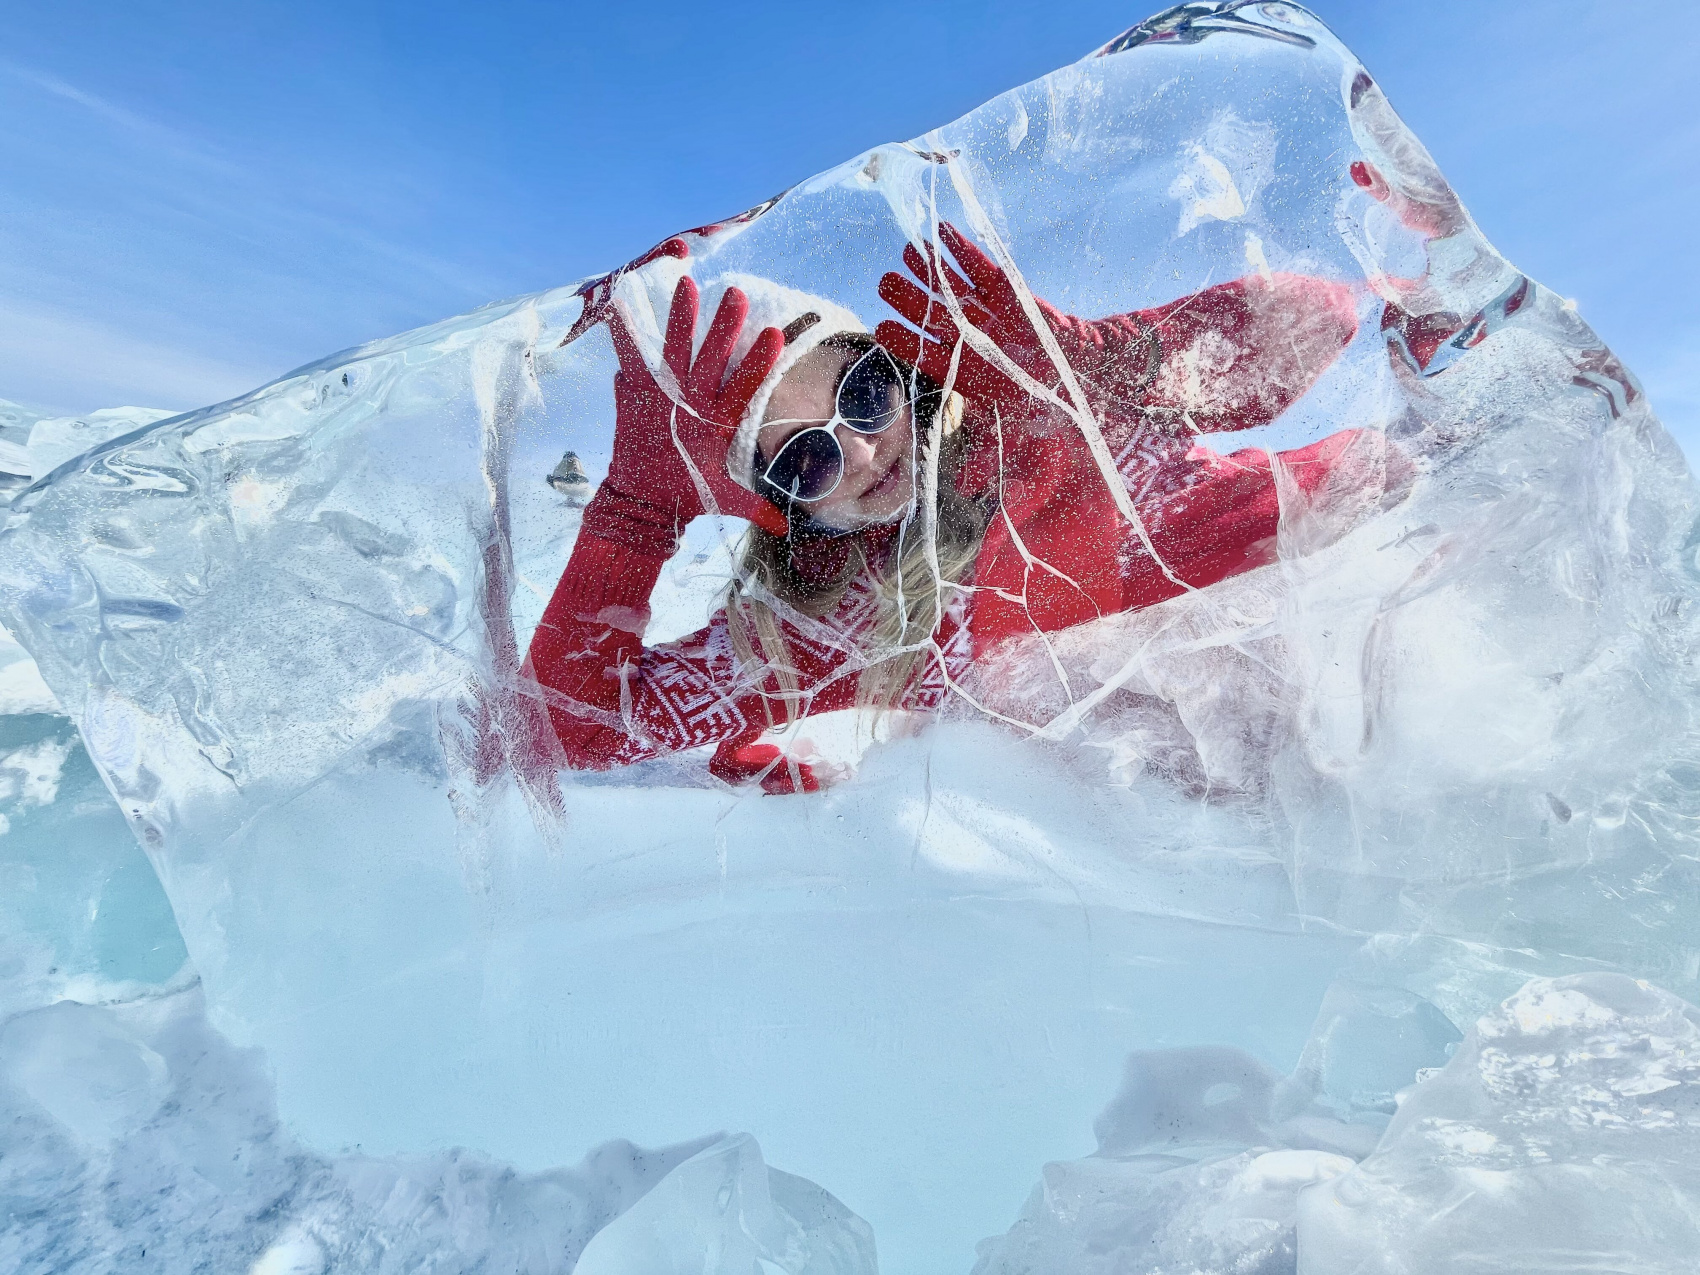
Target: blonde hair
x,y
936,547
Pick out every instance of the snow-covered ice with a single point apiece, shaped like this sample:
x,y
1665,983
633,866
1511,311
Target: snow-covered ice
x,y
139,1139
1339,916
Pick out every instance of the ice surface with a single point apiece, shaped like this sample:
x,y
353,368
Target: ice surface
x,y
1562,1136
81,911
138,1139
34,443
1259,854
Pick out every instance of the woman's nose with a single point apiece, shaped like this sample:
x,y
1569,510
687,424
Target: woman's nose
x,y
858,450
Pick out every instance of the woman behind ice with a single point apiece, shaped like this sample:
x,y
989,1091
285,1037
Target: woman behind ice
x,y
902,533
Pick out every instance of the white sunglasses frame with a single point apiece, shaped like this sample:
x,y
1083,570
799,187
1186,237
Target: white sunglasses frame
x,y
832,423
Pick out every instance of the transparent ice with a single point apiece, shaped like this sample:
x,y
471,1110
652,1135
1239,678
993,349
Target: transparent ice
x,y
1336,917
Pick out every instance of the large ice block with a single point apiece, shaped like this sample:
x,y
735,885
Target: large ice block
x,y
1283,602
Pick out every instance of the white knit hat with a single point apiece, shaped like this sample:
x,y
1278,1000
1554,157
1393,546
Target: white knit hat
x,y
644,297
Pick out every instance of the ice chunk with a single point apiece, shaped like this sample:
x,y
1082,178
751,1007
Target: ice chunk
x,y
1309,602
1563,1135
724,1212
133,1131
1368,1044
1103,1217
1193,1172
54,440
16,470
34,443
85,1070
1559,1135
81,910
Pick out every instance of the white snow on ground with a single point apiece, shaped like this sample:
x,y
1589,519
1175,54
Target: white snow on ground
x,y
138,1139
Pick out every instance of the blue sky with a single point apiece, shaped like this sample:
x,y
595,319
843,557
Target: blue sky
x,y
199,197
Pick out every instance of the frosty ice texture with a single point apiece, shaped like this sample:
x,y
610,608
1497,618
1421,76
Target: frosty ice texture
x,y
138,1139
1439,748
1561,1136
81,911
33,444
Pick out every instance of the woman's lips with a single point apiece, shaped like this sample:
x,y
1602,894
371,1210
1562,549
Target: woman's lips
x,y
886,480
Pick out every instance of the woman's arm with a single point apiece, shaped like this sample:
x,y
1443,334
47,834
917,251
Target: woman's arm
x,y
589,646
1211,516
1059,552
1230,357
611,700
614,701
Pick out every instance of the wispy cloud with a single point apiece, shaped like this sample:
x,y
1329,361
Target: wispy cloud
x,y
67,363
150,132
255,189
71,93
234,253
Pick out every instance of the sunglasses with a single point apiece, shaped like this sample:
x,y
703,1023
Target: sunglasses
x,y
870,399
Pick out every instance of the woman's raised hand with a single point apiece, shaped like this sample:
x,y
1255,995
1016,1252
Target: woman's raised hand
x,y
990,303
658,441
710,393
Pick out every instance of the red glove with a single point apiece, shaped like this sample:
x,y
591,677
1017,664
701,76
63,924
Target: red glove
x,y
650,492
738,762
1432,341
1434,220
1112,358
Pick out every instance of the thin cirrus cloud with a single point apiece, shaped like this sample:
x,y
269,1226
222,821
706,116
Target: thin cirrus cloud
x,y
140,265
56,87
49,357
53,354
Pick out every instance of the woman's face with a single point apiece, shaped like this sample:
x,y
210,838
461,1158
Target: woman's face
x,y
878,484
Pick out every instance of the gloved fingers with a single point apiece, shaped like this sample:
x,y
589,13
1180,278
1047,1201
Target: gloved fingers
x,y
927,310
765,514
996,292
932,358
703,384
933,271
1434,220
777,782
921,308
734,399
674,247
740,763
625,349
681,328
735,501
903,344
705,444
1368,176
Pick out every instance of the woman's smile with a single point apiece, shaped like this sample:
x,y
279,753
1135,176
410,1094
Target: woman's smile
x,y
886,482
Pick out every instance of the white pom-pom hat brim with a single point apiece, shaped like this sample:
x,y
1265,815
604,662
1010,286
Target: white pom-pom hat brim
x,y
644,297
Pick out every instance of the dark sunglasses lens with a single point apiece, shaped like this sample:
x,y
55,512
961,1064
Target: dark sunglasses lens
x,y
870,397
808,466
